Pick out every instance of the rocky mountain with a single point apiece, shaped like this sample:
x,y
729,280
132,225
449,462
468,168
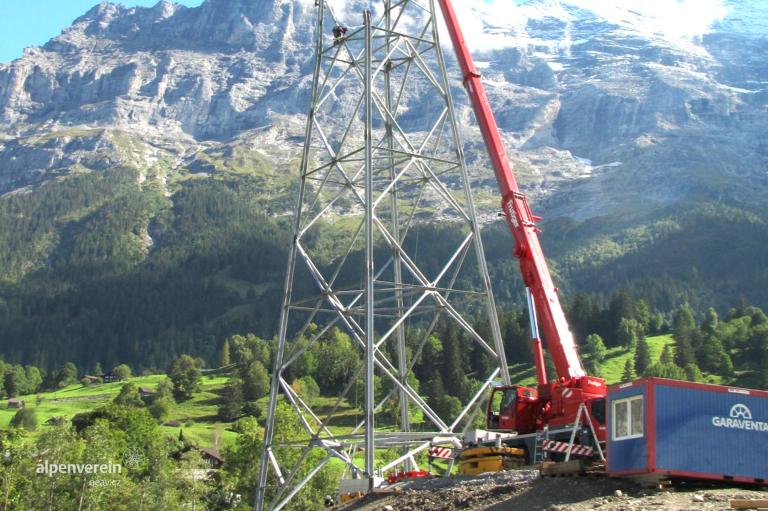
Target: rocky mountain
x,y
599,114
145,142
157,88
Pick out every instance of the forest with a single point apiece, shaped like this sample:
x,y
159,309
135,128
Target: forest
x,y
94,270
733,350
168,468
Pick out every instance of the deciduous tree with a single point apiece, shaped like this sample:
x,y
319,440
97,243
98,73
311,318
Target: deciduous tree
x,y
185,374
129,396
122,372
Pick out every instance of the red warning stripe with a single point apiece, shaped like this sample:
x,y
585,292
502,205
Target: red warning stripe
x,y
440,452
579,450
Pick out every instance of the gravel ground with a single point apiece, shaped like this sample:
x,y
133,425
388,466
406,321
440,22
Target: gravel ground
x,y
524,490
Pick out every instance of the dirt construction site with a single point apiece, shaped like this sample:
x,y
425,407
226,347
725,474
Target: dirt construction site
x,y
526,490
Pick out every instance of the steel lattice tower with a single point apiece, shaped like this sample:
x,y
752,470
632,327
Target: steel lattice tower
x,y
373,168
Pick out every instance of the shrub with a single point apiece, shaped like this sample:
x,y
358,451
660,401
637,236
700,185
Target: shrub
x,y
122,372
25,418
161,408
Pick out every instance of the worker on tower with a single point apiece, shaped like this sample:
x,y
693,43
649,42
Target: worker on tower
x,y
338,33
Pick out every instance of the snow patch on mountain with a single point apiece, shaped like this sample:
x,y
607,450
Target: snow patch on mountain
x,y
501,24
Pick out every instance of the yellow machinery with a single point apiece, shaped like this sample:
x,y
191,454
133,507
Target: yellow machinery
x,y
478,460
346,497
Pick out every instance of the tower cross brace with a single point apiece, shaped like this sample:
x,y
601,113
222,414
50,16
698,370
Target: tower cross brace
x,y
382,160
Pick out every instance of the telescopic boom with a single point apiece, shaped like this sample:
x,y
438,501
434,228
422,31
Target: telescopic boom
x,y
521,221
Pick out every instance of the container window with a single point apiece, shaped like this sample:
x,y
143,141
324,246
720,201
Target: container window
x,y
620,419
628,418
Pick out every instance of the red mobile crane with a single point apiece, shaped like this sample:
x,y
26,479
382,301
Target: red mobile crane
x,y
552,404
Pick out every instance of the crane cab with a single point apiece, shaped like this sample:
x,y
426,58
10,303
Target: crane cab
x,y
512,408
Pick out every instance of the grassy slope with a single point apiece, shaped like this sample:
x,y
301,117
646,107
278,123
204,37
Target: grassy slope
x,y
613,366
198,416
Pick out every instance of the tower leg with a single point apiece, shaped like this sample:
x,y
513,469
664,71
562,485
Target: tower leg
x,y
370,298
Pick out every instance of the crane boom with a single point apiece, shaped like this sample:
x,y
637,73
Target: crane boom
x,y
521,221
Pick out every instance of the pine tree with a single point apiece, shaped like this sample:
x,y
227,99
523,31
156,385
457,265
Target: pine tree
x,y
666,356
622,306
629,370
711,321
683,322
453,369
231,407
447,406
711,353
224,359
451,361
642,357
516,337
693,373
479,360
433,389
661,370
684,332
581,316
643,315
684,352
628,333
726,365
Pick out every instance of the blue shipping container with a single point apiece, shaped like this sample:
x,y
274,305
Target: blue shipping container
x,y
680,429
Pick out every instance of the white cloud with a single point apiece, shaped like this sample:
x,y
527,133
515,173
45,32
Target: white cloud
x,y
472,16
674,19
670,19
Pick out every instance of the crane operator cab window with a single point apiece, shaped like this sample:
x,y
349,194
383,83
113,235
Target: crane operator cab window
x,y
508,401
503,408
501,400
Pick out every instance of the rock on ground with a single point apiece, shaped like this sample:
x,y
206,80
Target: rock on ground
x,y
523,490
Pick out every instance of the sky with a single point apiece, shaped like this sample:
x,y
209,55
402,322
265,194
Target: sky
x,y
33,22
